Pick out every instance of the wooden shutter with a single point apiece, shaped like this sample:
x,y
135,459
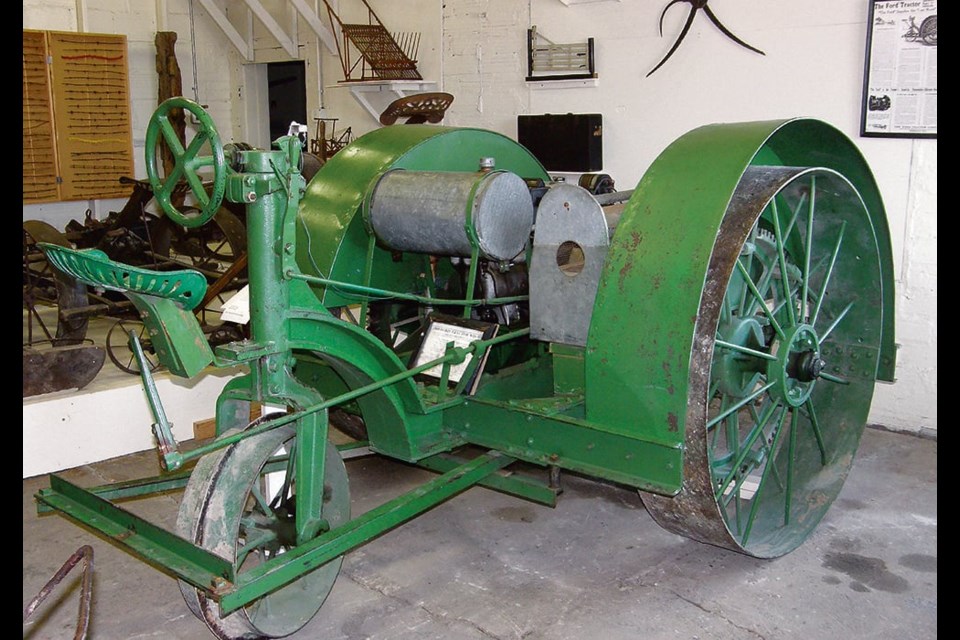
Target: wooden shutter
x,y
91,103
78,116
39,151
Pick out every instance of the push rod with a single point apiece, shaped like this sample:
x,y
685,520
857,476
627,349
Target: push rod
x,y
455,355
384,293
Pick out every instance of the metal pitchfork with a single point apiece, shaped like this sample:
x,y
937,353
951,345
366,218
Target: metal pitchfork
x,y
696,5
84,553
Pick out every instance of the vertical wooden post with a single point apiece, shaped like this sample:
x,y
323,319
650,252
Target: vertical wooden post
x,y
169,85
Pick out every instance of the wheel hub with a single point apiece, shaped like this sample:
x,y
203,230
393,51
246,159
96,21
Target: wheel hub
x,y
798,365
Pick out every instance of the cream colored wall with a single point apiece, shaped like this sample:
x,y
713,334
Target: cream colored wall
x,y
813,67
475,49
231,87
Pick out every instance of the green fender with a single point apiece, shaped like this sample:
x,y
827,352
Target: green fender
x,y
396,418
332,240
637,360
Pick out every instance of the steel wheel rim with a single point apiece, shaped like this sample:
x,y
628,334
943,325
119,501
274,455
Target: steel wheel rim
x,y
743,502
118,346
216,514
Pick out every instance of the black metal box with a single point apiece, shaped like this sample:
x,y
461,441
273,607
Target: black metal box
x,y
570,142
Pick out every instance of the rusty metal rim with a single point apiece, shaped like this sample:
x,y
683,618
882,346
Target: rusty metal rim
x,y
695,511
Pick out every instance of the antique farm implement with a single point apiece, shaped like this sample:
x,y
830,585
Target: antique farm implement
x,y
717,350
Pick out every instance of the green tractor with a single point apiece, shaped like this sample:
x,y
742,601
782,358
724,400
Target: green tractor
x,y
713,343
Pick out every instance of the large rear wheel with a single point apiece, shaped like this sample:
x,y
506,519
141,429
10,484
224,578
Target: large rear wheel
x,y
788,341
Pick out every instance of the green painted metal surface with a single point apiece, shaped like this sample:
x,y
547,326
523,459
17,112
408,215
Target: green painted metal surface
x,y
813,143
147,541
172,481
175,335
323,549
185,287
514,485
170,458
164,300
331,236
641,336
186,162
524,432
626,408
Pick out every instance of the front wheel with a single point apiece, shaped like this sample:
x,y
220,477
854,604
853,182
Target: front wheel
x,y
239,504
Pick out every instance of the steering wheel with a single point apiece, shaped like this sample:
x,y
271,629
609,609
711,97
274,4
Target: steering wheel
x,y
187,162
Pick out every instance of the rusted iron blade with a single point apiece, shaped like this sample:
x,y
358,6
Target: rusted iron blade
x,y
60,368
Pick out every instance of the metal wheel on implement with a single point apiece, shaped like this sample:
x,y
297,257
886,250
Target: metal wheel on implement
x,y
784,309
240,504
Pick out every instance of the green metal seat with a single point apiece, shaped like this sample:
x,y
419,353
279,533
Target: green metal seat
x,y
184,287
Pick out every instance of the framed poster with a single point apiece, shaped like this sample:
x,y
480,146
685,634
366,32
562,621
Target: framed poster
x,y
900,72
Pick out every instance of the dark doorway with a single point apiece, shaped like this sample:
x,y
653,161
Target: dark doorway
x,y
287,95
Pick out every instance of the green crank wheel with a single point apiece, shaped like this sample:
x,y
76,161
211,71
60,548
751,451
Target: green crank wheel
x,y
791,336
187,162
239,504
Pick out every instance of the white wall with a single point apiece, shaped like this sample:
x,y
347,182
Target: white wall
x,y
105,420
476,49
813,67
139,20
484,63
228,85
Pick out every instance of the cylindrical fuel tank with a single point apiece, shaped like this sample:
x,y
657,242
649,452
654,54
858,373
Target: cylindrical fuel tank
x,y
448,213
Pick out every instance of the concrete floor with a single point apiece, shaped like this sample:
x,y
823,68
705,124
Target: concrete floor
x,y
486,566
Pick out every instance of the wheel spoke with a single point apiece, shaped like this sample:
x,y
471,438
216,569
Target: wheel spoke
x,y
732,433
796,214
737,502
261,502
826,278
815,424
791,457
170,182
725,312
809,248
746,350
713,391
743,292
766,447
735,407
716,432
191,152
833,326
196,184
255,542
747,445
770,467
170,137
288,476
782,257
761,300
833,378
761,286
733,445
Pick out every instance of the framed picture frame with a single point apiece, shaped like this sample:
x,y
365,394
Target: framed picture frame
x,y
444,329
900,70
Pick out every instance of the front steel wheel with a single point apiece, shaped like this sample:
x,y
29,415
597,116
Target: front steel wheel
x,y
239,504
